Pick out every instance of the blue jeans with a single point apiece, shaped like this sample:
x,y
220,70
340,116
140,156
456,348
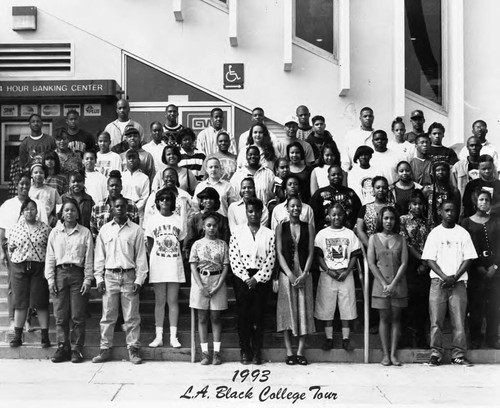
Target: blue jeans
x,y
453,299
119,289
70,303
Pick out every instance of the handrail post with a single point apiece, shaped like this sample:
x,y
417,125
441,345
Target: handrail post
x,y
193,332
366,300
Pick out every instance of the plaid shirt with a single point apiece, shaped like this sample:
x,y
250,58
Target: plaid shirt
x,y
101,214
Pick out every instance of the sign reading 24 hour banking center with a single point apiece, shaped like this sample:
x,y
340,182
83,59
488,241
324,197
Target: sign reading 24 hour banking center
x,y
26,89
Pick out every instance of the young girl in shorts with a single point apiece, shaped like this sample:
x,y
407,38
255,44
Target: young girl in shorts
x,y
209,260
387,259
337,248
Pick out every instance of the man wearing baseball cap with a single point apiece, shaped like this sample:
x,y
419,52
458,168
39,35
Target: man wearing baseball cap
x,y
291,128
417,123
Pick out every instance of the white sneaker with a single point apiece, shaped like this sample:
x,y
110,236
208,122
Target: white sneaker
x,y
174,342
157,342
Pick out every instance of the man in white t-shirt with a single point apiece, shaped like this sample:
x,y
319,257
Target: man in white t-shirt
x,y
116,129
449,251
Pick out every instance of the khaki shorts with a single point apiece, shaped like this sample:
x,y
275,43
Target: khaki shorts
x,y
330,292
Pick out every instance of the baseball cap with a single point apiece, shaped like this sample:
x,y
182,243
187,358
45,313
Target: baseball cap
x,y
130,130
290,119
417,114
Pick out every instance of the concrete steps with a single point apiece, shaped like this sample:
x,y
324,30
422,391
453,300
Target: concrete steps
x,y
274,346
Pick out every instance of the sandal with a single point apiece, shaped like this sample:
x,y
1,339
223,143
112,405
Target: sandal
x,y
301,360
290,360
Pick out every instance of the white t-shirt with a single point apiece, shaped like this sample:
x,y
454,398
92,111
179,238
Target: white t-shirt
x,y
360,180
165,263
96,185
337,246
449,247
107,162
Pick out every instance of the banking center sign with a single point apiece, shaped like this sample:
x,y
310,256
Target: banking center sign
x,y
27,89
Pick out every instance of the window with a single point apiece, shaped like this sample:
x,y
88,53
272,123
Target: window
x,y
423,49
314,23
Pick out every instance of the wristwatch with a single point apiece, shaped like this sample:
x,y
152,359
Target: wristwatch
x,y
495,267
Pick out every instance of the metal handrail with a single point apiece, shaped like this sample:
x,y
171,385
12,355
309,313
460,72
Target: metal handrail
x,y
365,285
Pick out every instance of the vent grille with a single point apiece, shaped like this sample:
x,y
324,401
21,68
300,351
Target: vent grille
x,y
35,57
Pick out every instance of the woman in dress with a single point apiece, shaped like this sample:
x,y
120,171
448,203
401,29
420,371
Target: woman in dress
x,y
296,157
387,259
295,251
164,232
483,286
27,246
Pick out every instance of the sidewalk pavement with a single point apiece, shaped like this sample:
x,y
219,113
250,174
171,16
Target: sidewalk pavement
x,y
181,384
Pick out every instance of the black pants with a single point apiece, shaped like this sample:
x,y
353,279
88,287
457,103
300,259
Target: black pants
x,y
484,303
250,305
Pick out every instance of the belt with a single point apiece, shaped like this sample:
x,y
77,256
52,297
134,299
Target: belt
x,y
69,266
210,273
120,270
485,254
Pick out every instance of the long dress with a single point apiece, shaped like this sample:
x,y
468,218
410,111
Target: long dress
x,y
295,305
388,261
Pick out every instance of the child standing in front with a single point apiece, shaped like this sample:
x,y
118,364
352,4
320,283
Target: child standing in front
x,y
337,248
209,262
387,259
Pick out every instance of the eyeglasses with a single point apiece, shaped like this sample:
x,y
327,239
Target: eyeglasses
x,y
30,210
164,199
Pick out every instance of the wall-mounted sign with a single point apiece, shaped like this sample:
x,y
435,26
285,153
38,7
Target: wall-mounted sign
x,y
92,109
72,106
24,89
27,110
9,111
51,110
234,76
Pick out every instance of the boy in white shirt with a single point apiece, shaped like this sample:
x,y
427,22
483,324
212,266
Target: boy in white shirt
x,y
95,182
106,159
135,183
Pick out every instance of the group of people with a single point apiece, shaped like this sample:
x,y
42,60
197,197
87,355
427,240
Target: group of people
x,y
290,215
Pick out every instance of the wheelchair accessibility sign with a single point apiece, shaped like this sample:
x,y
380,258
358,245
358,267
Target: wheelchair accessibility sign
x,y
234,76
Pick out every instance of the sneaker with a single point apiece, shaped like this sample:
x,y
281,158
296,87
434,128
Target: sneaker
x,y
461,361
327,345
434,361
133,353
346,345
174,342
63,353
76,356
104,355
205,358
